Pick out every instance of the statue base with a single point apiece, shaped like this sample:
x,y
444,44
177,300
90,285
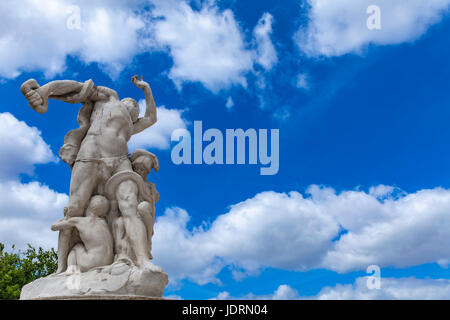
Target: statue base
x,y
101,297
119,281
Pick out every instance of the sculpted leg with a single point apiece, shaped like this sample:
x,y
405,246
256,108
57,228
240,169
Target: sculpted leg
x,y
121,245
84,179
72,258
77,258
63,249
145,210
134,227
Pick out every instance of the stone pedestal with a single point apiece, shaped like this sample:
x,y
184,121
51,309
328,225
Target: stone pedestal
x,y
118,281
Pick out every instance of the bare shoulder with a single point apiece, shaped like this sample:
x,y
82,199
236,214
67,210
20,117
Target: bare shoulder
x,y
103,93
102,222
76,220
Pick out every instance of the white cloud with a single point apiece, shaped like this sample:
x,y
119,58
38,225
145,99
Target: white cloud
x,y
266,55
206,46
302,81
26,210
283,292
21,147
230,103
392,289
158,135
340,232
409,231
34,35
173,245
248,237
339,27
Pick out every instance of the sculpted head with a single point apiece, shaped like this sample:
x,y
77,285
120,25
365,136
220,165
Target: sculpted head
x,y
143,162
98,206
133,107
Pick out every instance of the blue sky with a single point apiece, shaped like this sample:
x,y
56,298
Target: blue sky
x,y
364,166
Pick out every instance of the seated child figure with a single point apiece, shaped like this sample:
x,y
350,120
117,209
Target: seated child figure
x,y
96,247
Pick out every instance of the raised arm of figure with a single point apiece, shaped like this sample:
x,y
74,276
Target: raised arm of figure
x,y
149,117
65,90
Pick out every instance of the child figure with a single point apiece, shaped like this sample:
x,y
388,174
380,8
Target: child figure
x,y
96,247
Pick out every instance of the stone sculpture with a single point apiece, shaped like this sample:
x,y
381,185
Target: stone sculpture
x,y
105,234
96,243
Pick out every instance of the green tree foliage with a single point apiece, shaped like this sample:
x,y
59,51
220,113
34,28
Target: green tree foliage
x,y
19,268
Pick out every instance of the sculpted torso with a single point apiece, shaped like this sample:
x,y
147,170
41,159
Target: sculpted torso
x,y
111,128
93,233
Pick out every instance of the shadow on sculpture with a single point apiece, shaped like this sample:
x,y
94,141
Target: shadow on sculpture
x,y
104,243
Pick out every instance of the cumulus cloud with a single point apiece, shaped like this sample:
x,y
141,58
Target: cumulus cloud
x,y
399,232
158,135
283,292
392,289
339,27
39,35
208,45
340,232
21,147
248,237
26,210
174,244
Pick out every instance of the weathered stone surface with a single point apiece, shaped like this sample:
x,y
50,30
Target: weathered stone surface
x,y
111,209
100,297
117,281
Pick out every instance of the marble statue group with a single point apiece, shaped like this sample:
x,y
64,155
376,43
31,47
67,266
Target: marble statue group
x,y
107,227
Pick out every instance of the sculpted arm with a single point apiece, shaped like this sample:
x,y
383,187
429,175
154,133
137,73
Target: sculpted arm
x,y
64,90
150,111
65,223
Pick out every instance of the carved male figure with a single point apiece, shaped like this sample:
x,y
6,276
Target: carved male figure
x,y
98,149
96,247
143,162
135,197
